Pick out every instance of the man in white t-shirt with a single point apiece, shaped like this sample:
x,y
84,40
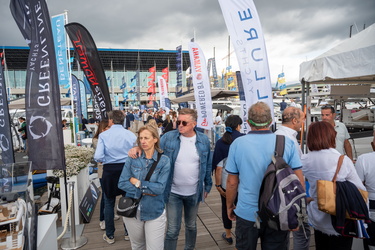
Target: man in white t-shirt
x,y
342,137
218,119
190,177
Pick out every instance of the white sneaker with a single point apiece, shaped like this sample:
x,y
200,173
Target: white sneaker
x,y
126,237
116,217
102,225
109,240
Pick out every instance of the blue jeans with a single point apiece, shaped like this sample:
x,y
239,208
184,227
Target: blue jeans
x,y
301,238
174,216
109,206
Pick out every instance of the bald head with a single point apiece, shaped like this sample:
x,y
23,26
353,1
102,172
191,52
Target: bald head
x,y
293,118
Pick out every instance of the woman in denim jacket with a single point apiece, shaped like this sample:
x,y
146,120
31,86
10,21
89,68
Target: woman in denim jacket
x,y
150,219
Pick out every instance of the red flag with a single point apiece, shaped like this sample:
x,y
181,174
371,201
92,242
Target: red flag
x,y
152,69
151,89
1,58
151,83
165,70
152,76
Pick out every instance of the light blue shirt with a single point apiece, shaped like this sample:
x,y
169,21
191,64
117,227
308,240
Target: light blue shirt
x,y
249,157
114,144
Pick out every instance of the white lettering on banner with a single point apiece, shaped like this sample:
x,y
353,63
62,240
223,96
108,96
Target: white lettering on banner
x,y
59,36
44,75
244,27
201,83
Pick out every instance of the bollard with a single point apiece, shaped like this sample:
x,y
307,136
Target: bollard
x,y
74,242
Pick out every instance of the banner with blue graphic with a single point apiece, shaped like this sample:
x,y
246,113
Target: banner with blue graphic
x,y
246,33
59,38
202,90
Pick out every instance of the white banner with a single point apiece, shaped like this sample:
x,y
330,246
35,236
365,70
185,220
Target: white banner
x,y
246,33
201,83
163,91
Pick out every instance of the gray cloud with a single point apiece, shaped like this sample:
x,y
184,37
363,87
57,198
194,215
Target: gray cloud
x,y
292,28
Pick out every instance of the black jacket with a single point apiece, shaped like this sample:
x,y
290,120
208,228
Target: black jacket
x,y
348,200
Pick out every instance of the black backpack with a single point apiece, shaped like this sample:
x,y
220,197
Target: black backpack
x,y
282,202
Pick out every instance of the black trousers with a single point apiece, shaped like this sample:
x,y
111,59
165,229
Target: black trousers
x,y
370,231
329,242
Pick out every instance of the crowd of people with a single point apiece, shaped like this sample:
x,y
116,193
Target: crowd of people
x,y
128,144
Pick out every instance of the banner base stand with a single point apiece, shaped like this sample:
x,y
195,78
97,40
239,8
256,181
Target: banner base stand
x,y
79,230
80,241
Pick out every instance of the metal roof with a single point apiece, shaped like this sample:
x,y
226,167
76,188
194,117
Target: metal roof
x,y
130,59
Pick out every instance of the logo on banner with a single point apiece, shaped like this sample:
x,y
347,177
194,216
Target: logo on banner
x,y
41,125
85,62
4,143
199,76
204,123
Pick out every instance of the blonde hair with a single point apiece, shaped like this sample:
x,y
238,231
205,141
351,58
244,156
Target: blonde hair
x,y
153,123
154,132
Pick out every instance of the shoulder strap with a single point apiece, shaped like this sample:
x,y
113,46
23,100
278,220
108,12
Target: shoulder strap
x,y
279,145
152,168
339,163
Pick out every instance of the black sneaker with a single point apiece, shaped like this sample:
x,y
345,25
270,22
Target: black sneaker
x,y
227,240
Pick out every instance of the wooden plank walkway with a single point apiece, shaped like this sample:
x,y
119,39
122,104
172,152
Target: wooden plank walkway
x,y
209,226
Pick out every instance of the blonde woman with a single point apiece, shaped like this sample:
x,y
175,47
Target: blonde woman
x,y
151,218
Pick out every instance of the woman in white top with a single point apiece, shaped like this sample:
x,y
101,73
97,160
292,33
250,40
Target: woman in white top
x,y
320,164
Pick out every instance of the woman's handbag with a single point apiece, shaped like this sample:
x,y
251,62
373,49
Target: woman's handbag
x,y
326,192
127,206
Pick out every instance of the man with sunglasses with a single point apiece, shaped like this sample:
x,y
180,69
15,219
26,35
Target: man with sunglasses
x,y
190,176
342,137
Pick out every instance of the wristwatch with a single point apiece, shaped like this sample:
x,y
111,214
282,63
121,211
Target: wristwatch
x,y
137,184
218,186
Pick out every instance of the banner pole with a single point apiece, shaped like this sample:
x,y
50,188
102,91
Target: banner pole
x,y
70,80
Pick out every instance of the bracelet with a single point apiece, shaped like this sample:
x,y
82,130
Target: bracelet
x,y
218,186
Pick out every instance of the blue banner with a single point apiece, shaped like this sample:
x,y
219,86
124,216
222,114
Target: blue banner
x,y
138,87
76,97
59,39
243,114
179,70
87,86
83,95
168,103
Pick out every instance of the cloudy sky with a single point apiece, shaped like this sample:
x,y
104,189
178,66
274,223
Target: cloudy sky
x,y
294,30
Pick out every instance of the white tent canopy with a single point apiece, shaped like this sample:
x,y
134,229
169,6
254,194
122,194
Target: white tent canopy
x,y
352,61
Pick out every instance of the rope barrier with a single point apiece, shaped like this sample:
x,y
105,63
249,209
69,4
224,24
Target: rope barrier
x,y
67,215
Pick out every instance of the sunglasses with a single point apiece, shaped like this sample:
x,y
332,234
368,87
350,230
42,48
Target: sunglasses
x,y
184,123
